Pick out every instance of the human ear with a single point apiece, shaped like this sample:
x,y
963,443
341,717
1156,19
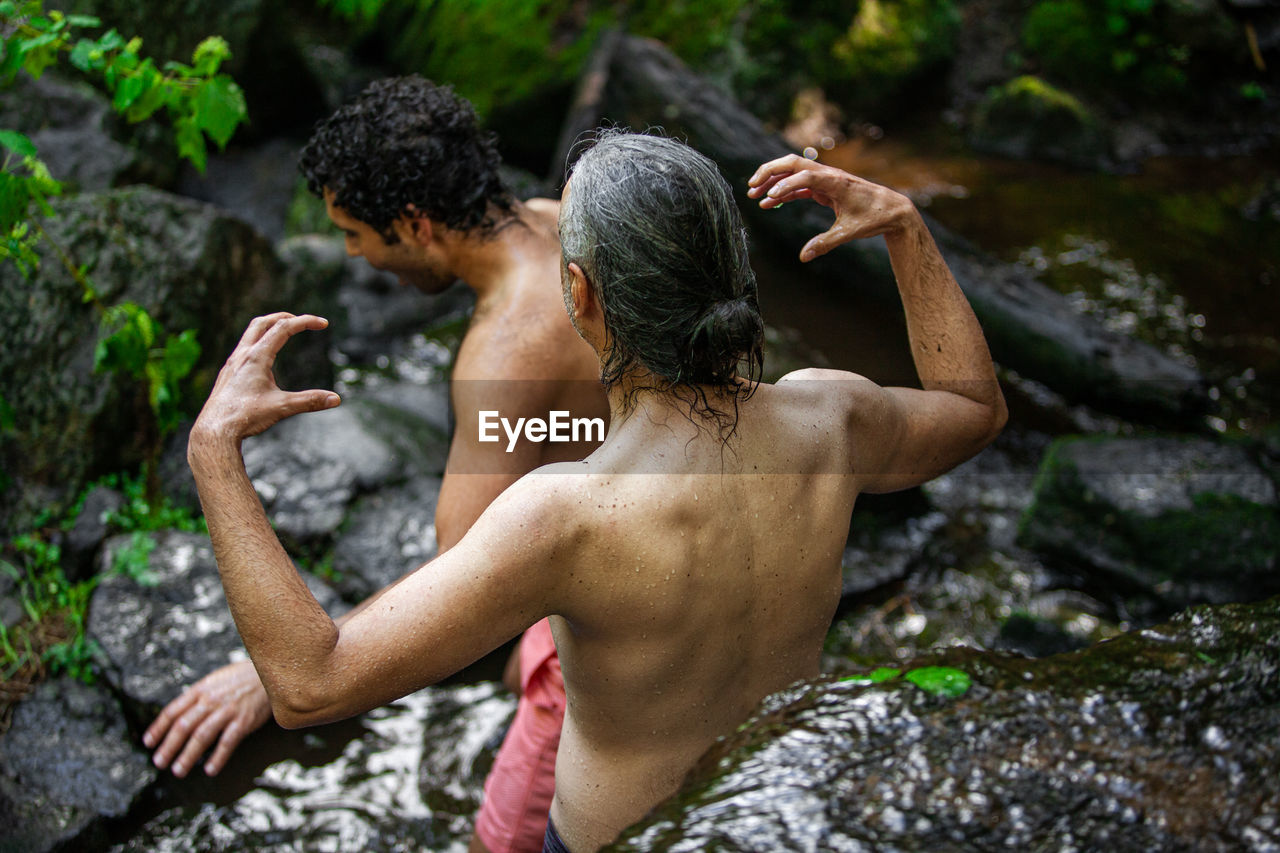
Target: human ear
x,y
582,297
413,226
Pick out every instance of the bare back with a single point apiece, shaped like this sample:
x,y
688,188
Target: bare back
x,y
696,594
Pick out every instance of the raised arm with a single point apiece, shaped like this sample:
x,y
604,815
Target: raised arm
x,y
472,599
914,435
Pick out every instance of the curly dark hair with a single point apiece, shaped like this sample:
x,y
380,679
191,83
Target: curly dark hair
x,y
405,141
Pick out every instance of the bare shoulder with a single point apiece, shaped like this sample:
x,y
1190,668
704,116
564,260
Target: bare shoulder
x,y
544,206
840,390
535,508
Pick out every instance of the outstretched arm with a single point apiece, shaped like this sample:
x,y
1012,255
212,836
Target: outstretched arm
x,y
919,434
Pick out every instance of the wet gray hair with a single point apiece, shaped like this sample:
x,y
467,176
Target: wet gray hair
x,y
654,227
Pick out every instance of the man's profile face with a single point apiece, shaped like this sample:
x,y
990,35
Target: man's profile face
x,y
412,264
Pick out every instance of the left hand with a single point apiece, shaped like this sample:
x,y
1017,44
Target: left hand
x,y
245,400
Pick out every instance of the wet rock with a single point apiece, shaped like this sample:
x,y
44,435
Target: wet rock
x,y
172,627
255,183
11,612
204,270
79,137
67,764
1163,739
410,780
1027,118
90,528
387,534
1158,523
308,469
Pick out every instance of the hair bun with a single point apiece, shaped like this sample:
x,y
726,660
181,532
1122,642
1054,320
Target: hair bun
x,y
728,331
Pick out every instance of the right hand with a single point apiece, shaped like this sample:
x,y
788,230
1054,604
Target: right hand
x,y
226,705
862,208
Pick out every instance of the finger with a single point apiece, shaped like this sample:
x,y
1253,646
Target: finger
x,y
768,202
202,738
176,740
764,186
235,732
259,326
274,338
821,244
789,163
795,181
291,403
160,725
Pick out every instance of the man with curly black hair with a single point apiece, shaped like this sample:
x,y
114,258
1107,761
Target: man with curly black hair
x,y
412,181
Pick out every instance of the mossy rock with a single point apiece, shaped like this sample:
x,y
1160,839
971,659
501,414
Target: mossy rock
x,y
1028,118
1158,523
189,265
1160,739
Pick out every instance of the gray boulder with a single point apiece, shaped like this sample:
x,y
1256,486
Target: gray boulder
x,y
78,136
387,534
1158,523
160,635
309,468
67,764
189,265
1163,739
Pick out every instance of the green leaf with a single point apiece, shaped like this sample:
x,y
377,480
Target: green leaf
x,y
209,55
151,100
877,675
940,680
83,55
218,108
8,9
84,21
36,59
110,40
191,143
127,92
181,352
15,198
17,143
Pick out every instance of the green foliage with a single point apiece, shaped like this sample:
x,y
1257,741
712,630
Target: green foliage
x,y
52,605
133,560
1108,44
197,99
129,347
140,513
891,41
56,610
25,183
938,680
492,51
355,10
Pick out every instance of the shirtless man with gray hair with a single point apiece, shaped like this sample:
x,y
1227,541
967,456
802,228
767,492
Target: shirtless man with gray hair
x,y
691,564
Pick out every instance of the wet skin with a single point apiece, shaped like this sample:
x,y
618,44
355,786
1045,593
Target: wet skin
x,y
684,579
520,356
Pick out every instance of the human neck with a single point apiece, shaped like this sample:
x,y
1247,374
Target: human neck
x,y
487,262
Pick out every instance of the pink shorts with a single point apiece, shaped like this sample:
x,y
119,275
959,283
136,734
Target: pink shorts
x,y
518,792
